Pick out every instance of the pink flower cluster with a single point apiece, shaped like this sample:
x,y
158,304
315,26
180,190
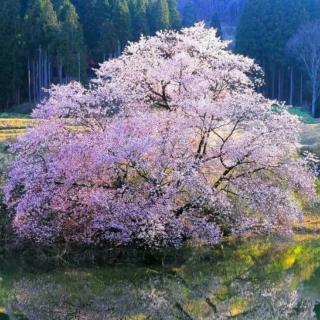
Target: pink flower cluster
x,y
169,143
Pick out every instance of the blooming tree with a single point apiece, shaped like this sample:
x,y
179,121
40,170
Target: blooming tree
x,y
170,143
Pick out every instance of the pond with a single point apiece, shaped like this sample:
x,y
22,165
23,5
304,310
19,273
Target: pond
x,y
250,279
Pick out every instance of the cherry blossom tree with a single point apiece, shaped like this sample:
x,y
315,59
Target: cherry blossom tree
x,y
170,143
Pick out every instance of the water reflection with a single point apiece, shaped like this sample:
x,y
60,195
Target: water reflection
x,y
256,279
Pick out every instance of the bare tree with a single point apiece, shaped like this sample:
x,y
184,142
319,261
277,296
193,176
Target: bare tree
x,y
305,47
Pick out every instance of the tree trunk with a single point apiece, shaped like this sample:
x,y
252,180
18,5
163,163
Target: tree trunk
x,y
34,80
291,86
40,73
49,71
60,72
279,85
29,80
314,99
38,80
79,67
266,79
273,82
301,89
45,69
18,96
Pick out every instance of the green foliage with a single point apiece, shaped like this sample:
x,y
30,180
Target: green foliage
x,y
304,115
121,18
44,41
69,42
159,16
175,20
216,24
11,46
41,25
266,26
139,19
189,14
264,31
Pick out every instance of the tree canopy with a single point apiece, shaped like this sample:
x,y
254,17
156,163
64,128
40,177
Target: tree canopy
x,y
170,143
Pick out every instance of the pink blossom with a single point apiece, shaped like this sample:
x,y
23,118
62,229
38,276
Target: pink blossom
x,y
170,143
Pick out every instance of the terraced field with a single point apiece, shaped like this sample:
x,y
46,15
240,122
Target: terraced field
x,y
11,128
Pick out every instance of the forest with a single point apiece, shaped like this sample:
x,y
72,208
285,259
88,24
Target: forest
x,y
55,41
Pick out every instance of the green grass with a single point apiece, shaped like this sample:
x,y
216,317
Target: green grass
x,y
7,115
304,115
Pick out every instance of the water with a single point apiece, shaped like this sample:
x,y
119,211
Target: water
x,y
254,279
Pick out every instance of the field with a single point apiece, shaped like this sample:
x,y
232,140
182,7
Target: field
x,y
11,126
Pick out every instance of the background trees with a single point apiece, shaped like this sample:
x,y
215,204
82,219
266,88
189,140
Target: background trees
x,y
40,29
69,46
264,30
305,47
11,51
45,41
56,41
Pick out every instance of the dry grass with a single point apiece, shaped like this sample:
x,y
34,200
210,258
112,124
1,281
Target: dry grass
x,y
15,123
310,225
11,128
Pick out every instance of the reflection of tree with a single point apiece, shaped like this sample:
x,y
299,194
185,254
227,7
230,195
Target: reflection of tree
x,y
255,280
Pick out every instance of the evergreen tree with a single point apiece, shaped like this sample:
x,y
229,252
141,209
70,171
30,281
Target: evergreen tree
x,y
41,28
175,19
264,30
23,7
189,14
107,32
215,23
159,16
69,42
251,30
10,53
41,25
139,19
122,21
45,41
92,14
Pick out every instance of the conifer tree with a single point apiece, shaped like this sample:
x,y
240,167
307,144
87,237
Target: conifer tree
x,y
159,16
139,19
51,41
189,14
122,22
92,14
69,43
41,24
216,24
175,19
264,30
10,53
